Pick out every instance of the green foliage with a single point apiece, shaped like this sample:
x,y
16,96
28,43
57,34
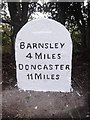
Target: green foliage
x,y
76,38
6,41
75,35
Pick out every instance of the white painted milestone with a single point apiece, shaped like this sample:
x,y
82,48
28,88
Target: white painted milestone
x,y
43,53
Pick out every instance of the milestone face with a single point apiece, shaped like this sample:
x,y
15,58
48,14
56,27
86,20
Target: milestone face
x,y
43,53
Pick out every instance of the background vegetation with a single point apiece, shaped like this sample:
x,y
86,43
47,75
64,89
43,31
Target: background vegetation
x,y
76,18
74,15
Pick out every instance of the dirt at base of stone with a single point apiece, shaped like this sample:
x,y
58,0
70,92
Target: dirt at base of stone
x,y
31,104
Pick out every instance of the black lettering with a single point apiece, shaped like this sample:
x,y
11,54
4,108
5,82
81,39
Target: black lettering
x,y
61,67
52,76
26,67
44,56
48,77
46,45
38,56
67,67
53,56
22,45
29,46
43,76
45,67
51,46
34,45
20,66
39,67
29,56
33,67
38,76
58,56
48,56
57,76
56,45
56,67
40,45
29,76
62,44
50,67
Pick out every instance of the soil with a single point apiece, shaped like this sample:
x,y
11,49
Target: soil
x,y
18,104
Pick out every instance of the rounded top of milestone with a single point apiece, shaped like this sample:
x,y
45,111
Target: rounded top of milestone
x,y
43,26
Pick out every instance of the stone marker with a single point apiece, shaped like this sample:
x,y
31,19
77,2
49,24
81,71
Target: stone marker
x,y
43,53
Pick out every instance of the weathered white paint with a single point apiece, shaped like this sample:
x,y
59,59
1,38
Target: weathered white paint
x,y
44,31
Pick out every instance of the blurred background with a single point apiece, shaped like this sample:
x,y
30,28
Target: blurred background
x,y
75,16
